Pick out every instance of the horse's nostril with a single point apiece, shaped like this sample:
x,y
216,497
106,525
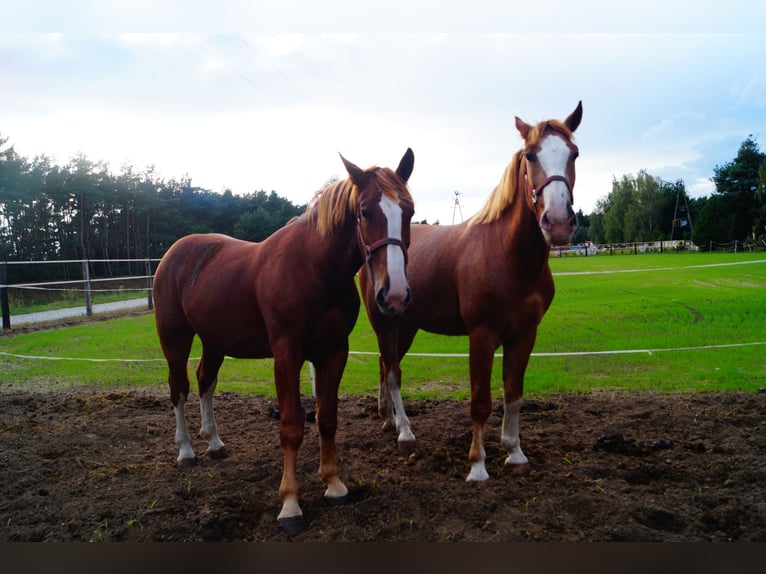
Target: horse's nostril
x,y
380,298
391,304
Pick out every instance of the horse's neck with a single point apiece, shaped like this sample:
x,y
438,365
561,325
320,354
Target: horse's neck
x,y
341,256
521,233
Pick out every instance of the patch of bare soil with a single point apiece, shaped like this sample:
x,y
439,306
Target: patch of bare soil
x,y
89,466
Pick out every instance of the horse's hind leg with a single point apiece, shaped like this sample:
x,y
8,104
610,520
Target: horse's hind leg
x,y
207,380
176,344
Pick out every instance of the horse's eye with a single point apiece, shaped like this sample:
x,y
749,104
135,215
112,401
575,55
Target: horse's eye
x,y
531,156
365,214
575,155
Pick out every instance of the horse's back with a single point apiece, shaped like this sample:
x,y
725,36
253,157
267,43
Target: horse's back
x,y
193,258
205,284
435,253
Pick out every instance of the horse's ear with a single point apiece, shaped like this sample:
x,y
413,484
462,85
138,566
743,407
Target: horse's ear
x,y
360,177
406,164
523,127
575,117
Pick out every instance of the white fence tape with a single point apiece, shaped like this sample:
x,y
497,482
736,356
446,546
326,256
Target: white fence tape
x,y
465,355
614,271
442,355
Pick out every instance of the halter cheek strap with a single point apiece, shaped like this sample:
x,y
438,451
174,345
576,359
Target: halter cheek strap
x,y
534,191
369,249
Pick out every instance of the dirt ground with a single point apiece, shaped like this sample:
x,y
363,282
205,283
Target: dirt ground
x,y
82,465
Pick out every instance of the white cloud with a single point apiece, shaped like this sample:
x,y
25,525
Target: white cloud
x,y
752,91
254,111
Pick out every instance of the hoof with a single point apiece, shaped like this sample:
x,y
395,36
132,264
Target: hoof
x,y
218,454
187,462
292,525
336,500
406,446
518,469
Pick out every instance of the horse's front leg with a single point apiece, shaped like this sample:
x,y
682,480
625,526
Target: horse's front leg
x,y
515,360
393,343
328,375
482,349
385,409
291,430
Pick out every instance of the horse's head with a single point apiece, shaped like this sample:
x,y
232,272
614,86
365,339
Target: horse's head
x,y
384,211
549,166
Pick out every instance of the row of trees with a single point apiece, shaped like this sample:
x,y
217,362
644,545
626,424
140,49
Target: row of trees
x,y
83,211
645,208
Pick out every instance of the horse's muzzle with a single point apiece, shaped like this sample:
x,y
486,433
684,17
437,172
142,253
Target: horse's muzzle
x,y
559,227
392,303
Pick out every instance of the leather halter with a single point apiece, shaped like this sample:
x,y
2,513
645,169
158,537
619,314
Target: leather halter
x,y
369,249
534,191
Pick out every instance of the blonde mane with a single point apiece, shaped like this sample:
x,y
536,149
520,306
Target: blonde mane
x,y
332,204
502,196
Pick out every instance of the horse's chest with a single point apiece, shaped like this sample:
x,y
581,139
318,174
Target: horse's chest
x,y
513,310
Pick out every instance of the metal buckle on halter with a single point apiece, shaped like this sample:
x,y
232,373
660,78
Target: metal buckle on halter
x,y
534,191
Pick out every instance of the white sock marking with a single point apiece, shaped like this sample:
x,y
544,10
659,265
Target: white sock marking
x,y
183,440
510,433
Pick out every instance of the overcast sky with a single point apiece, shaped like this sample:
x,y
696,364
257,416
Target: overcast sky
x,y
669,87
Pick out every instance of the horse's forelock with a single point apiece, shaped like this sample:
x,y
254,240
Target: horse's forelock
x,y
538,131
391,186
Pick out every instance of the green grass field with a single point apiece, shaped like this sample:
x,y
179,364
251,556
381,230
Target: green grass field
x,y
699,315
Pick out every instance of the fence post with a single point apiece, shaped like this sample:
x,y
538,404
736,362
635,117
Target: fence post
x,y
149,300
86,280
4,296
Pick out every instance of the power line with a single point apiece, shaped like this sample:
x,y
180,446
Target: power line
x,y
277,68
233,70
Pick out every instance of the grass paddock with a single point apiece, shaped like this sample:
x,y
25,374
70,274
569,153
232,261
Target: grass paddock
x,y
662,322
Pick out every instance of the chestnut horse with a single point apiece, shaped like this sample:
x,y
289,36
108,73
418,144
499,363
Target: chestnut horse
x,y
487,278
292,297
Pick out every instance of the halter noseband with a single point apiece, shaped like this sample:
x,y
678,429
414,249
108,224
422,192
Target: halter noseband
x,y
534,191
369,249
